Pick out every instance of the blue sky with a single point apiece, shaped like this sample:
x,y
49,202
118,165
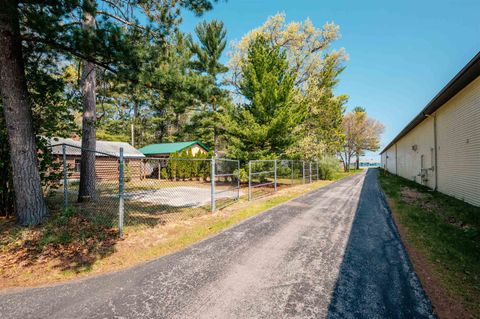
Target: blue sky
x,y
401,52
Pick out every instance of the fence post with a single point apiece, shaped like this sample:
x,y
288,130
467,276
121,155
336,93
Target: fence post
x,y
249,180
120,195
238,180
212,184
275,175
303,172
65,181
292,171
310,172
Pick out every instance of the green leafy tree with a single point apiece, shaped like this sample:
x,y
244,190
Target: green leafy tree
x,y
320,133
259,127
362,133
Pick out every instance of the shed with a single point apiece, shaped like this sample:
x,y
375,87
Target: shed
x,y
164,150
106,157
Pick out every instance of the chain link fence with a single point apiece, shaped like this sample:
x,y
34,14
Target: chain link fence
x,y
267,176
226,188
120,190
262,178
167,190
98,199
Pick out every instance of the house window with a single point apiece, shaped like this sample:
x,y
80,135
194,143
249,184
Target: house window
x,y
422,161
77,166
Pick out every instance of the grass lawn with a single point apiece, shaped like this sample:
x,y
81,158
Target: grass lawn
x,y
443,235
71,246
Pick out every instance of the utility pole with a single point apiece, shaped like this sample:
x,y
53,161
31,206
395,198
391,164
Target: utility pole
x,y
133,134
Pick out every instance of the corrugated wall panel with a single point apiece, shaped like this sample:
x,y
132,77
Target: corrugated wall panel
x,y
458,138
417,144
391,165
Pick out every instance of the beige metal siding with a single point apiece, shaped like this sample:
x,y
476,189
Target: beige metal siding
x,y
390,161
417,144
458,139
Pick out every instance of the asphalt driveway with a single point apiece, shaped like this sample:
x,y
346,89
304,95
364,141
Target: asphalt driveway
x,y
333,252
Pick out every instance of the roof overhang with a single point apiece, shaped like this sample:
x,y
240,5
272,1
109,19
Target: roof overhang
x,y
469,73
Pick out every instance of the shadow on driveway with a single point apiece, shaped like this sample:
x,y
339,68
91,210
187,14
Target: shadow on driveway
x,y
376,279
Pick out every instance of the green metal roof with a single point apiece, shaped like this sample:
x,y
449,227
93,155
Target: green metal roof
x,y
169,148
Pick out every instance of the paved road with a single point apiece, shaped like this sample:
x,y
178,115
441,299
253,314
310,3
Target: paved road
x,y
331,253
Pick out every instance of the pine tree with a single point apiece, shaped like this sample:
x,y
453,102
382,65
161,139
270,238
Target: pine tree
x,y
212,42
260,127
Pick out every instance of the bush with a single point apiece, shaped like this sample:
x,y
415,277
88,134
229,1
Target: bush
x,y
283,169
327,167
164,174
241,174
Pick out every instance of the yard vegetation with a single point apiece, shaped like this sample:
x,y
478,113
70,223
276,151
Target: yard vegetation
x,y
442,235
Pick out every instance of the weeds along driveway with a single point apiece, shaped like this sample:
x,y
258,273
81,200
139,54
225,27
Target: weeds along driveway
x,y
333,252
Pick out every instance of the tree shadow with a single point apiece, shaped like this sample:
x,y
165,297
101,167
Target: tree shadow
x,y
376,278
68,243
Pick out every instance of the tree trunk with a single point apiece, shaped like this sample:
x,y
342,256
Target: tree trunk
x,y
86,190
136,106
357,162
347,162
29,202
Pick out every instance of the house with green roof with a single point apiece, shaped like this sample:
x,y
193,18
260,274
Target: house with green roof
x,y
164,150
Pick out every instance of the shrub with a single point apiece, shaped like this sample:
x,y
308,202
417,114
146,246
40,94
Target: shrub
x,y
164,174
327,167
241,174
284,169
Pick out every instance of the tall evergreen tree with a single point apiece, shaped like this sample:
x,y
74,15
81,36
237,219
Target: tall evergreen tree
x,y
212,42
29,202
260,127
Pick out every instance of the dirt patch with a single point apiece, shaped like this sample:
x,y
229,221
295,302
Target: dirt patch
x,y
64,245
425,201
428,203
445,305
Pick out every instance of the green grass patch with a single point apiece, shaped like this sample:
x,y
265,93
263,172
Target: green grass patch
x,y
446,230
341,174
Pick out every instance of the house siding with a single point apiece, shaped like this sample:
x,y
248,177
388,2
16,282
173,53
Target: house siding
x,y
458,148
106,168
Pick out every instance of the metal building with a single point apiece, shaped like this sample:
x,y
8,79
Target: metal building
x,y
440,147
